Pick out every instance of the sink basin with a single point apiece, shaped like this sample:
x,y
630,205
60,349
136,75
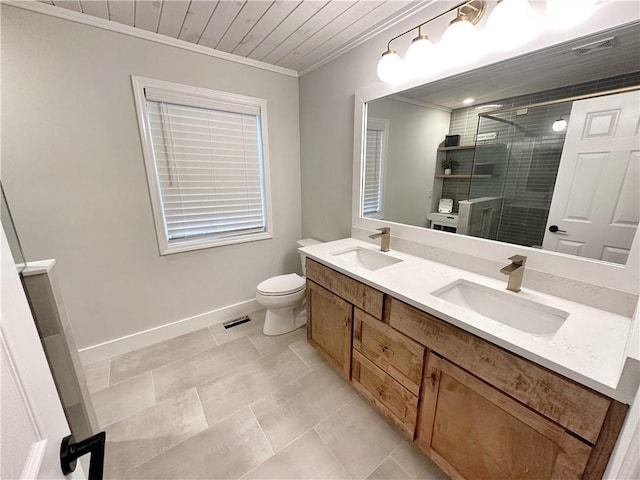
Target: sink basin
x,y
519,313
365,258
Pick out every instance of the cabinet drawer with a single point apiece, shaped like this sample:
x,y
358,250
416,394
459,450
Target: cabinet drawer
x,y
395,401
361,295
573,406
394,353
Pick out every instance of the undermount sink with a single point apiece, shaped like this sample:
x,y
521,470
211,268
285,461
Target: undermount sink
x,y
519,313
363,257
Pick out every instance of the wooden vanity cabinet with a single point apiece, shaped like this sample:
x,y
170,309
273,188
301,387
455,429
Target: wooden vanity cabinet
x,y
478,410
509,406
331,298
474,431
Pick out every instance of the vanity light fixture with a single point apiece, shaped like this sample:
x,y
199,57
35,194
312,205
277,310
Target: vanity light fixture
x,y
461,34
421,57
392,69
510,24
559,125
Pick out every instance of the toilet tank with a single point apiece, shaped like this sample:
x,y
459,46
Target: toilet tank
x,y
306,242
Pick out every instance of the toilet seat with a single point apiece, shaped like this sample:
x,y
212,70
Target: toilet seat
x,y
282,285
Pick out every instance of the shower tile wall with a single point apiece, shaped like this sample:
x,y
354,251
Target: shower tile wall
x,y
533,156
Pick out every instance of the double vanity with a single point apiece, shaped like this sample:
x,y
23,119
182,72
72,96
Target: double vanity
x,y
488,383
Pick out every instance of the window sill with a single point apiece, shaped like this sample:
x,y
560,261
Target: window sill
x,y
188,246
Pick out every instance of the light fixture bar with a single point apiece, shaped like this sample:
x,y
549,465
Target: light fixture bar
x,y
457,7
511,24
474,10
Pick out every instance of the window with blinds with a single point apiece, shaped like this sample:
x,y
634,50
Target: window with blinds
x,y
373,168
206,164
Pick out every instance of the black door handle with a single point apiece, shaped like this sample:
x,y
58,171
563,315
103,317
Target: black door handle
x,y
71,451
555,229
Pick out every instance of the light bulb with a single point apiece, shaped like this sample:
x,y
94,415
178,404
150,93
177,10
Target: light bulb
x,y
567,13
421,57
459,40
559,125
390,68
511,24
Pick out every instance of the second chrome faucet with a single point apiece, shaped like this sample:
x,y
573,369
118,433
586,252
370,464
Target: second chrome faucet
x,y
385,238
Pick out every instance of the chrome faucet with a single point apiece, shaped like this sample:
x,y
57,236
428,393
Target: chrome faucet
x,y
515,270
385,236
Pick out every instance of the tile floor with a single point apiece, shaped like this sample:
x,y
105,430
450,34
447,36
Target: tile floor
x,y
234,403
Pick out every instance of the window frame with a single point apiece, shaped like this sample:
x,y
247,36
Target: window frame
x,y
165,245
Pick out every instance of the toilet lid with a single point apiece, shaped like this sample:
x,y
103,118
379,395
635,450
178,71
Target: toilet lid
x,y
282,284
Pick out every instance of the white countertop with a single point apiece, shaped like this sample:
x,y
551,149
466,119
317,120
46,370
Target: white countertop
x,y
590,347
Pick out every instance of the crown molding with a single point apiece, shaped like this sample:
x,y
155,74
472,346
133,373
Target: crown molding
x,y
58,12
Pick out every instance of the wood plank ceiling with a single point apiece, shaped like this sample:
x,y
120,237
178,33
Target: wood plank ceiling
x,y
295,34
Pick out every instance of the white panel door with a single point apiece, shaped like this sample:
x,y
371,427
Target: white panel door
x,y
33,422
596,201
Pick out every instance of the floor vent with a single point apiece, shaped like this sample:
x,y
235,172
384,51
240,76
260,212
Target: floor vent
x,y
600,45
236,322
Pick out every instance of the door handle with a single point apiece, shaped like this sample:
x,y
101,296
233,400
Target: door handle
x,y
70,451
555,229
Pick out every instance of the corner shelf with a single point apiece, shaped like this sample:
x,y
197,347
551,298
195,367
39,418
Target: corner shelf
x,y
439,175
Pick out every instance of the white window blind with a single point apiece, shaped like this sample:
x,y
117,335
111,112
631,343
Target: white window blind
x,y
374,157
208,162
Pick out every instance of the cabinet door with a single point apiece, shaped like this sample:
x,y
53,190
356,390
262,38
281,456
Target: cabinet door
x,y
474,431
329,326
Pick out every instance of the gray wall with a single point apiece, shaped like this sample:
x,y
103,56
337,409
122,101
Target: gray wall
x,y
327,96
74,175
414,135
326,144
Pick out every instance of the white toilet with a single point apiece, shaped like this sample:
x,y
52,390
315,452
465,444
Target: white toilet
x,y
282,295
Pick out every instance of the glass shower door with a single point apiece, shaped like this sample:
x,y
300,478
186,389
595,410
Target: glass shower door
x,y
523,153
480,214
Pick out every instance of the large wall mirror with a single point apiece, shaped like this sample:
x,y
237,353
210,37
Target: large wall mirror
x,y
546,155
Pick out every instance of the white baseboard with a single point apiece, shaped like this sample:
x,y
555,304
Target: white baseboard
x,y
119,346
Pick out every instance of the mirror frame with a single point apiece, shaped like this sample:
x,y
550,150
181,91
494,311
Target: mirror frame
x,y
619,277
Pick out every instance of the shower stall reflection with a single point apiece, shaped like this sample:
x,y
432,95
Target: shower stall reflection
x,y
520,175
